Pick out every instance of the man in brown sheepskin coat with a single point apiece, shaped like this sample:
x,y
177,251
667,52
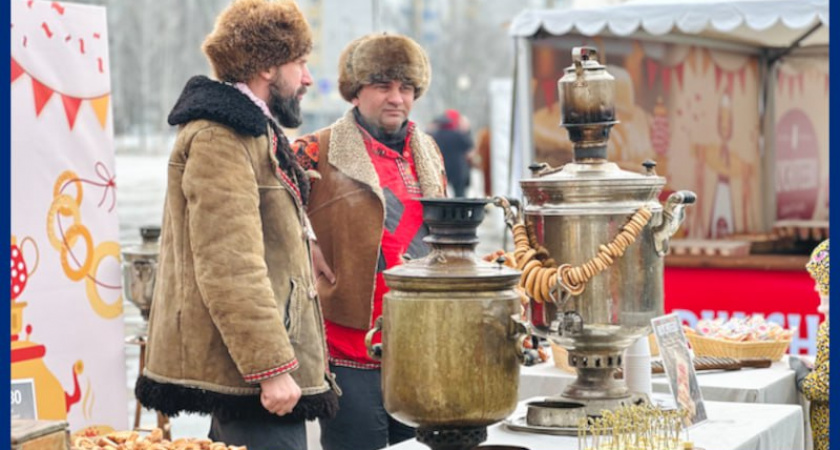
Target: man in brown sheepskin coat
x,y
236,329
375,165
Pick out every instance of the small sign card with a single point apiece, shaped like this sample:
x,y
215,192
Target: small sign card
x,y
679,367
23,399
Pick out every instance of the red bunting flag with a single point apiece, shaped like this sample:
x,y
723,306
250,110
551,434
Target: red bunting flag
x,y
42,95
71,108
652,69
17,71
730,81
678,70
666,79
718,74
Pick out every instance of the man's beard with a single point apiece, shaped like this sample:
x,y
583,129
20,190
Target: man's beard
x,y
285,109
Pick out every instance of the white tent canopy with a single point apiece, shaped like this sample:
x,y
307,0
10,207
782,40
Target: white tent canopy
x,y
773,24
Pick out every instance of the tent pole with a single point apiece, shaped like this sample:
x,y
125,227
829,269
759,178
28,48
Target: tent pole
x,y
767,141
782,53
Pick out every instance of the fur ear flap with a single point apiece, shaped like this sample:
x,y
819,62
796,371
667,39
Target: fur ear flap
x,y
383,57
253,35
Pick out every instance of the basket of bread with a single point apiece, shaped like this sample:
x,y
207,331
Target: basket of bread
x,y
132,440
739,338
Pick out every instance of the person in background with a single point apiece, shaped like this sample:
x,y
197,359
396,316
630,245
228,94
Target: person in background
x,y
812,380
455,144
482,159
375,165
235,328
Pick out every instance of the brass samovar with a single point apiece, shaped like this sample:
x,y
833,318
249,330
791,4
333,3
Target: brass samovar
x,y
139,269
598,235
451,339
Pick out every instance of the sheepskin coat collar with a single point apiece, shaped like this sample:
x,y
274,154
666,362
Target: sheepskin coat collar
x,y
349,155
349,193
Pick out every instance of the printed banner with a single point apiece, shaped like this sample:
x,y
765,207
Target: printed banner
x,y
801,118
67,334
692,110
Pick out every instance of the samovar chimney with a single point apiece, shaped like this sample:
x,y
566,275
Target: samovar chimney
x,y
587,96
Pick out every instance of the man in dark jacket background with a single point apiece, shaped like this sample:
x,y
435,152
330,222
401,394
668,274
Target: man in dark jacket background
x,y
456,144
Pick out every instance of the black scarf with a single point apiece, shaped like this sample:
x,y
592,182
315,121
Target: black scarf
x,y
395,141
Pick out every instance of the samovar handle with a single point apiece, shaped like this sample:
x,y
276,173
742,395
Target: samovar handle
x,y
507,204
374,350
673,215
580,54
521,333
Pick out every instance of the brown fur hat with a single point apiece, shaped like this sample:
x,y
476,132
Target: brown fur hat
x,y
254,35
383,57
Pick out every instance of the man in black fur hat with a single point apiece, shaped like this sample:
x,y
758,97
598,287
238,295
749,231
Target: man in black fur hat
x,y
375,164
235,328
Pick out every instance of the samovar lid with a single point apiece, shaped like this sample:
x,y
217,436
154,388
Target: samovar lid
x,y
452,265
588,58
149,247
604,181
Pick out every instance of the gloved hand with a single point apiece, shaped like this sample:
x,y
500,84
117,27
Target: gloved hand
x,y
800,370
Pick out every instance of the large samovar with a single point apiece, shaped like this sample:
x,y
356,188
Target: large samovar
x,y
603,233
451,339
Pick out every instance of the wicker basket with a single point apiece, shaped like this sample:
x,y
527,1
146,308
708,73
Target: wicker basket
x,y
705,346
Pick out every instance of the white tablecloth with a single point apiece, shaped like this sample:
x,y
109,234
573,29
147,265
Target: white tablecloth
x,y
731,426
772,385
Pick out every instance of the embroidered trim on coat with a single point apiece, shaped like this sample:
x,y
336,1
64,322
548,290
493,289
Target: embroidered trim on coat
x,y
266,374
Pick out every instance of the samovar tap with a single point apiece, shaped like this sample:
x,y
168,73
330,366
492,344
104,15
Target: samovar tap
x,y
673,215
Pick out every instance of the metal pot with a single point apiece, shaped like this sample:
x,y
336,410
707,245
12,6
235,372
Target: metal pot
x,y
139,269
451,344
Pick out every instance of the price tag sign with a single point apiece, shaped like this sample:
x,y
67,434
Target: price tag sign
x,y
23,399
679,366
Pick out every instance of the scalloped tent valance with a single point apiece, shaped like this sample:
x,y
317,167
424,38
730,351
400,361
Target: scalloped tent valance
x,y
768,23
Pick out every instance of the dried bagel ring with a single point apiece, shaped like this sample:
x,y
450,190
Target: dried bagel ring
x,y
526,272
526,258
531,278
538,285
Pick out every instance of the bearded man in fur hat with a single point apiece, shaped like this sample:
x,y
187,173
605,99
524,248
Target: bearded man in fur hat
x,y
235,328
375,165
